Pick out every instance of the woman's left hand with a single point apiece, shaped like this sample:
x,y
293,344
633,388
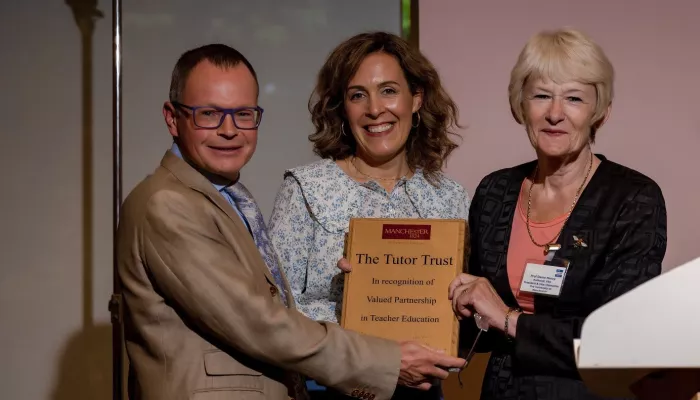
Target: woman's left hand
x,y
344,265
471,294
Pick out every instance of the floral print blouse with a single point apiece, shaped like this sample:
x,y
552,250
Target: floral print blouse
x,y
312,213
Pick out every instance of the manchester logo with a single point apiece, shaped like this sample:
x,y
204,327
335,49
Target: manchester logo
x,y
408,232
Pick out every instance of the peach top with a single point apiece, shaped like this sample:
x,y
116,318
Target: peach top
x,y
521,250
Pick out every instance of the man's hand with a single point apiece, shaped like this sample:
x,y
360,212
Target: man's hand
x,y
421,364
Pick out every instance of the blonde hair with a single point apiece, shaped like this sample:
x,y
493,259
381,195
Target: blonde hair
x,y
562,55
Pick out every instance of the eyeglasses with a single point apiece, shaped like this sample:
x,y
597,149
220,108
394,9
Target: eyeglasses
x,y
212,117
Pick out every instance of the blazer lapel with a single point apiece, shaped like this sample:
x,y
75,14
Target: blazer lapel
x,y
577,230
509,191
186,174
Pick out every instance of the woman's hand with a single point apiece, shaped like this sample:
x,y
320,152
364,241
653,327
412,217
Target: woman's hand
x,y
471,294
344,265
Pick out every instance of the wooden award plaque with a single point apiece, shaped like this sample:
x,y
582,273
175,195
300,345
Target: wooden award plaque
x,y
401,270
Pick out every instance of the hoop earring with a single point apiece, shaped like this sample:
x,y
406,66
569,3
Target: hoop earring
x,y
417,123
342,129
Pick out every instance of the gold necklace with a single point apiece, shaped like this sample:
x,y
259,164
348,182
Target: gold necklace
x,y
551,245
370,176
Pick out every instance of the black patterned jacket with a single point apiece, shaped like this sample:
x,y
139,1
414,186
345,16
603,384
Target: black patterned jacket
x,y
621,216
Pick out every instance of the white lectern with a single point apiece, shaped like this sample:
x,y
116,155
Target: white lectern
x,y
654,327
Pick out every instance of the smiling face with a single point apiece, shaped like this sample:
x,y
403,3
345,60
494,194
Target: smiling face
x,y
379,107
225,150
558,117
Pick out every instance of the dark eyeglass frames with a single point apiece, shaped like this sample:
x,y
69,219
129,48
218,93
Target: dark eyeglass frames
x,y
208,117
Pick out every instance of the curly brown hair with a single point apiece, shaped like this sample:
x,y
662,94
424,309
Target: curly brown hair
x,y
428,145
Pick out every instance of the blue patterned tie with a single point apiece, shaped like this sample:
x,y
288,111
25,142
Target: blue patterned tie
x,y
247,206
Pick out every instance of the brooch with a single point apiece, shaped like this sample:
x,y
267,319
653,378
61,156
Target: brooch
x,y
579,243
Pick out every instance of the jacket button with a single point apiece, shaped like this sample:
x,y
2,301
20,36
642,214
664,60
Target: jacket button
x,y
273,290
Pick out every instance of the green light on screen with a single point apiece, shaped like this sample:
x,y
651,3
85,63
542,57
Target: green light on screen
x,y
406,18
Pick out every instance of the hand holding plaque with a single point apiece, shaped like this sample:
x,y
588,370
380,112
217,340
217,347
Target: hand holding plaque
x,y
471,295
419,364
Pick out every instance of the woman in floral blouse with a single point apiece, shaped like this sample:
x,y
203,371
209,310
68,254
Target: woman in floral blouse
x,y
383,130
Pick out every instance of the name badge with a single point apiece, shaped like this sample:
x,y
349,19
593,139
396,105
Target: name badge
x,y
543,279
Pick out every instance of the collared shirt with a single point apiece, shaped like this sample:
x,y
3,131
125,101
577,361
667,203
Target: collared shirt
x,y
217,184
312,214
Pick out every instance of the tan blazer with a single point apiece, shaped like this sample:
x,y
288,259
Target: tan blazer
x,y
204,319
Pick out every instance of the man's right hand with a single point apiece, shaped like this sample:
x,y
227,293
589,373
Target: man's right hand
x,y
421,364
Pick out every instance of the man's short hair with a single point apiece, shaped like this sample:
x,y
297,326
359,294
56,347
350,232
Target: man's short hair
x,y
220,55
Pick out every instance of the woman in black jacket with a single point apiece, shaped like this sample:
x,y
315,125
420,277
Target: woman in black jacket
x,y
558,237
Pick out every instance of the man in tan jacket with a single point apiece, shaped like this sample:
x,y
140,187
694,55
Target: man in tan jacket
x,y
209,315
